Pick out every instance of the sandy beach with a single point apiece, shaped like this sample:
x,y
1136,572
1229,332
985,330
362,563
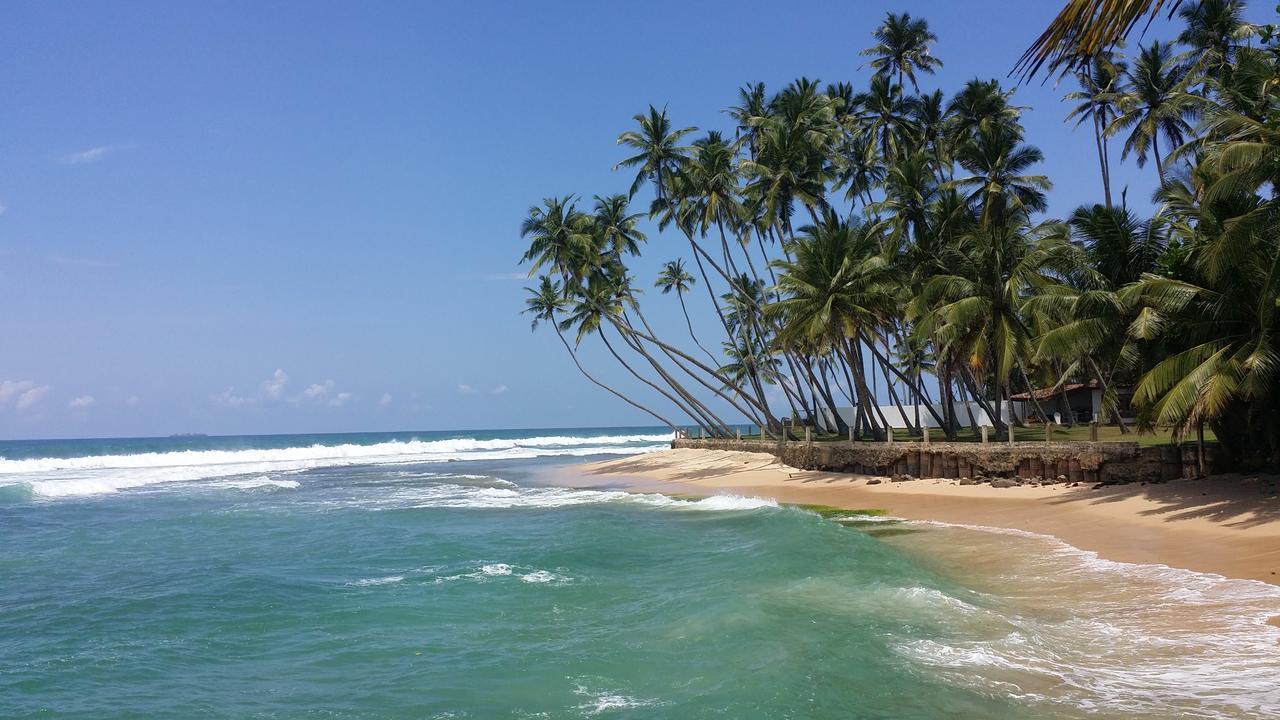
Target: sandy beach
x,y
1228,525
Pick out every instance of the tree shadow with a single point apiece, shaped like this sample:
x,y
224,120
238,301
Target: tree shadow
x,y
1233,500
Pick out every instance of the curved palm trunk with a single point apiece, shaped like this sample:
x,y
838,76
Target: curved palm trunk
x,y
692,412
748,414
588,375
685,310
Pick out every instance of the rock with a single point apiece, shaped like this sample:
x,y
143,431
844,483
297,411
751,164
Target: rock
x,y
902,478
1003,483
968,481
873,481
1062,478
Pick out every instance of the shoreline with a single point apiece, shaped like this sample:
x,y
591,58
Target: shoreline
x,y
1226,525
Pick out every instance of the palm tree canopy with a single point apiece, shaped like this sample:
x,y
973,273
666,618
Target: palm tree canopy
x,y
902,48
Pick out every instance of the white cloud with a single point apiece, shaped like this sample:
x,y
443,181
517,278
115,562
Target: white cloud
x,y
274,385
499,390
465,389
92,155
81,402
23,394
386,400
229,398
324,393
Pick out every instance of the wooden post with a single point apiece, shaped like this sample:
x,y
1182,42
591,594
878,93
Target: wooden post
x,y
1009,426
1048,432
925,429
888,435
850,434
702,433
737,434
984,434
1093,430
808,434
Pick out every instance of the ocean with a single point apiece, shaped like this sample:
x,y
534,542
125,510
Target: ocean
x,y
452,575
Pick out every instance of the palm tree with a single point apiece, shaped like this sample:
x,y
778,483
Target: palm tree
x,y
559,238
659,152
886,117
543,303
981,106
974,310
1155,103
1086,321
837,287
617,225
1099,81
674,277
1214,29
1085,28
998,185
902,47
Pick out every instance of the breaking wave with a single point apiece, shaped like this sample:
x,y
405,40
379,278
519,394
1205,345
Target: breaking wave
x,y
52,477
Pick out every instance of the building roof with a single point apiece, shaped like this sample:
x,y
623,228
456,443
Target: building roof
x,y
1049,392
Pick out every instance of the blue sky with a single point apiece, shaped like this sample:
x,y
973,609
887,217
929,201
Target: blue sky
x,y
247,217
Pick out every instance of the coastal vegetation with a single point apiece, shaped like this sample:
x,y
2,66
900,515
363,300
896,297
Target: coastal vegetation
x,y
885,242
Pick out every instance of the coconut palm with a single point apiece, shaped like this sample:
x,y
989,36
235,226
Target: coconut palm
x,y
998,185
558,238
1099,81
1214,29
544,302
838,287
1084,28
902,47
674,277
1154,103
658,150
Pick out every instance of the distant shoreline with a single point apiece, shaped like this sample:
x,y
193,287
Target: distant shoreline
x,y
1228,526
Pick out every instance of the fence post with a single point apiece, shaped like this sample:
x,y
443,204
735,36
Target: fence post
x,y
924,427
1009,426
850,434
737,434
984,434
702,433
1093,429
808,434
1048,432
888,435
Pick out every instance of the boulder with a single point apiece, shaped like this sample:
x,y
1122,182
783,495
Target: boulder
x,y
968,481
873,481
1003,483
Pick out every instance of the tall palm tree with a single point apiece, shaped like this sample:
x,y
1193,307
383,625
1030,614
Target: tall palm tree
x,y
1154,103
1099,81
558,238
658,150
981,105
1214,29
998,184
544,302
618,226
673,277
886,116
838,286
902,47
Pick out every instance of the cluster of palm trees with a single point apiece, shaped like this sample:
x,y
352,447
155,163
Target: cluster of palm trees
x,y
890,242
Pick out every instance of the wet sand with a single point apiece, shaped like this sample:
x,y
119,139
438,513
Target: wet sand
x,y
1228,525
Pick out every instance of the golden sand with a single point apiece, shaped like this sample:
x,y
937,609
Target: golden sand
x,y
1229,525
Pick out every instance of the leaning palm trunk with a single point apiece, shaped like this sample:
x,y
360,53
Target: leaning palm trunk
x,y
574,356
860,388
728,382
698,417
626,327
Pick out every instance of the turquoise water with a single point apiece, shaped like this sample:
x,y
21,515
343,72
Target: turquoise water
x,y
447,576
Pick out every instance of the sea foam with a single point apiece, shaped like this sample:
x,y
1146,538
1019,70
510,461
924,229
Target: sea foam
x,y
98,474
